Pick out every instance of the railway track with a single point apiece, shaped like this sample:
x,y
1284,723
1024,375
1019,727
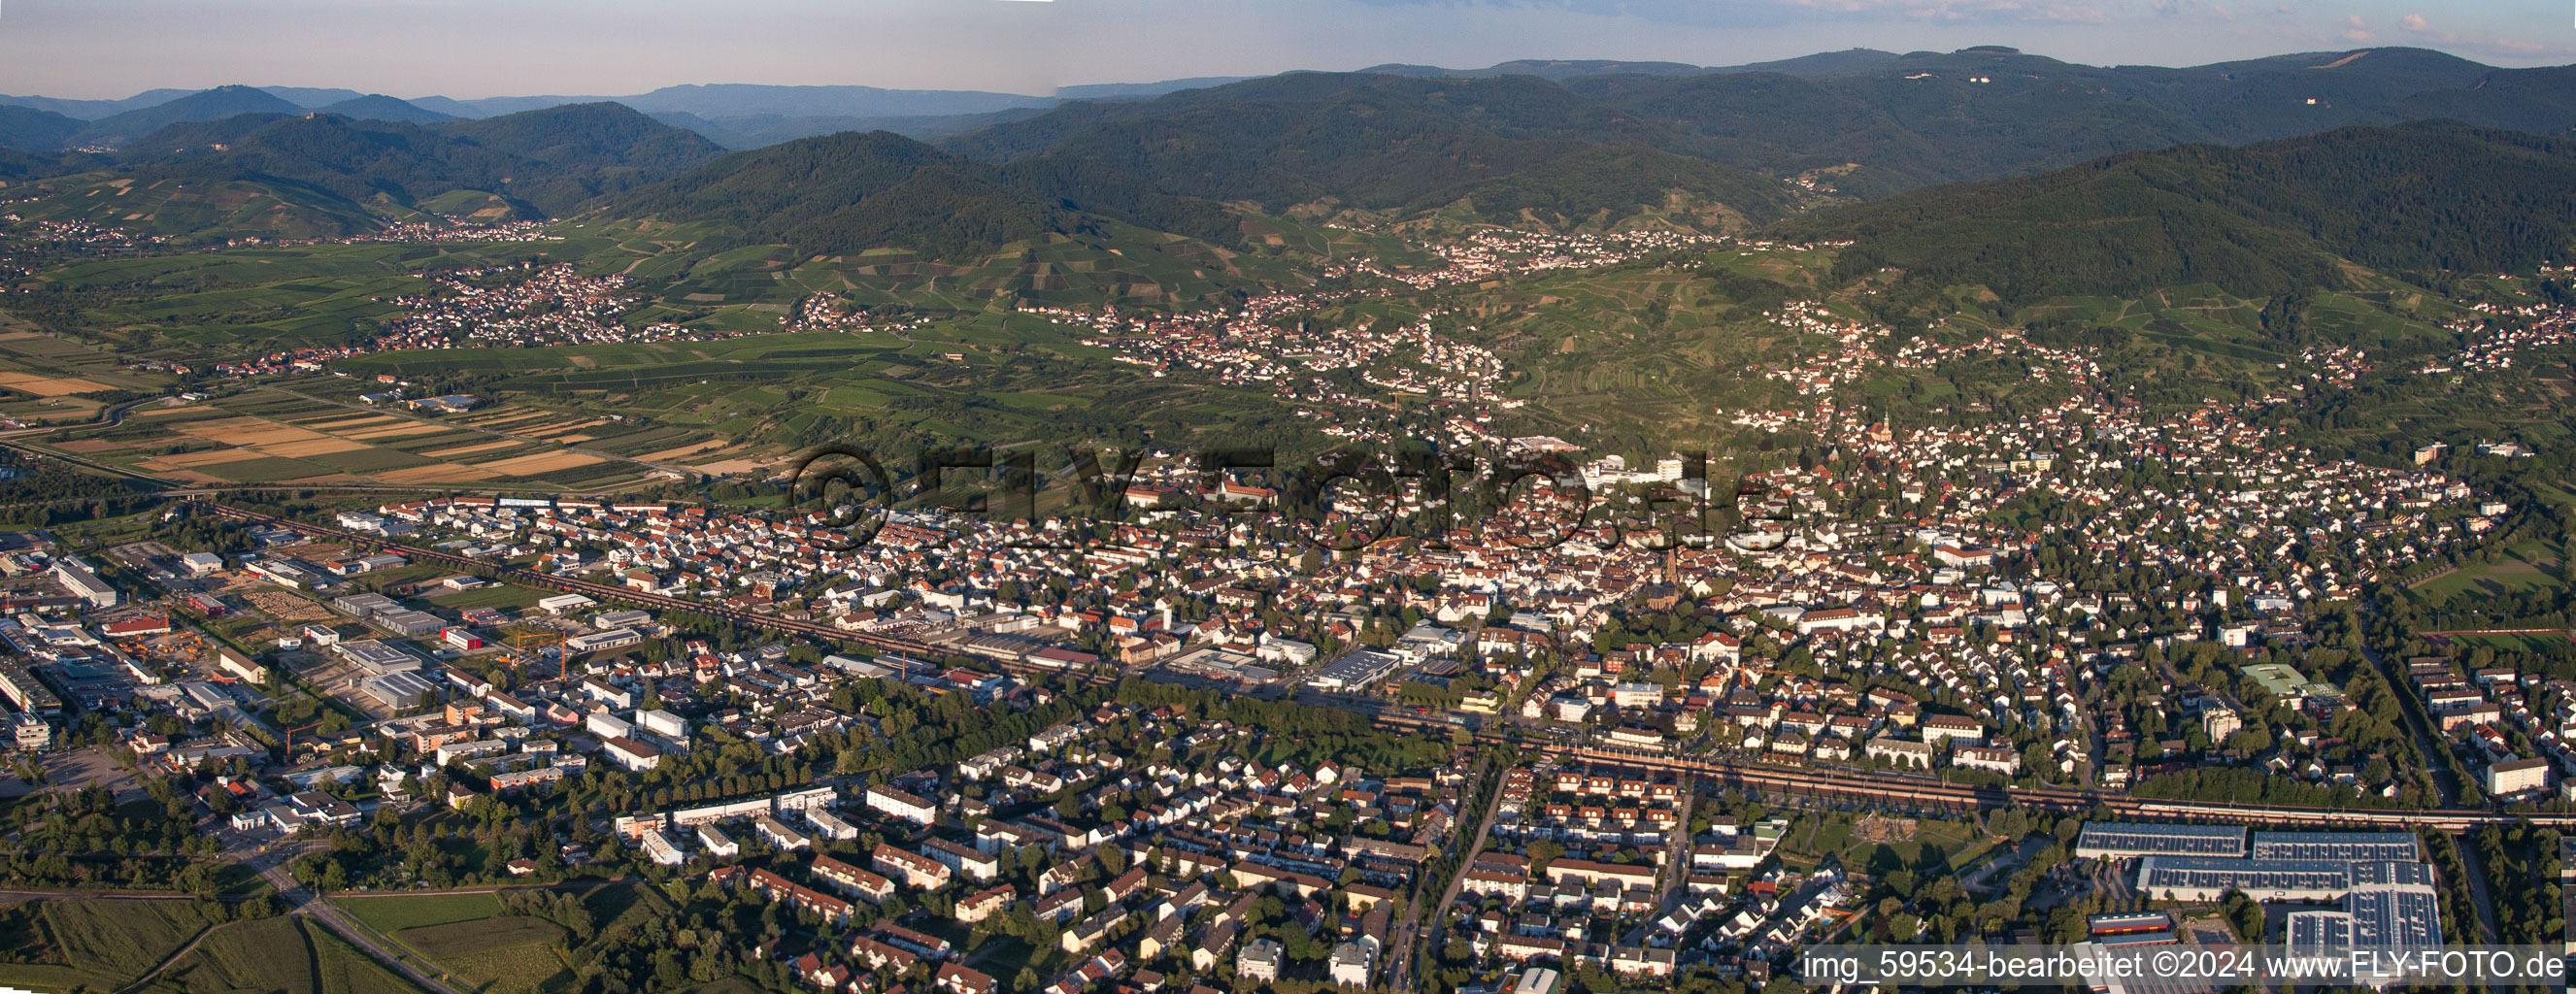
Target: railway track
x,y
1896,790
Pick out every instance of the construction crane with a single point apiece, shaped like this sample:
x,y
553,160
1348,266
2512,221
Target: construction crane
x,y
528,642
289,747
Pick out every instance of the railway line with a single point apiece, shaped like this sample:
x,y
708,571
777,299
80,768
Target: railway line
x,y
1889,789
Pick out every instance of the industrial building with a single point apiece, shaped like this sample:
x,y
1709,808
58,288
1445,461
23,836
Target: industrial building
x,y
1362,668
377,658
401,691
26,693
364,605
75,576
614,638
2399,847
2391,904
2130,840
2206,878
408,622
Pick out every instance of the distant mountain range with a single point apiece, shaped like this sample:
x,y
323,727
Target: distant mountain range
x,y
738,115
1908,119
1555,144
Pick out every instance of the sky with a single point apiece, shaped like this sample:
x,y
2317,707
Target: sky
x,y
480,48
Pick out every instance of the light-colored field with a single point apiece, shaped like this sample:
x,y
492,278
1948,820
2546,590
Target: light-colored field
x,y
356,422
248,431
212,458
46,386
730,466
556,432
439,472
542,462
508,416
311,447
467,450
398,431
706,448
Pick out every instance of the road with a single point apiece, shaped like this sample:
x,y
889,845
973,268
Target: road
x,y
1677,865
2434,757
1400,974
301,901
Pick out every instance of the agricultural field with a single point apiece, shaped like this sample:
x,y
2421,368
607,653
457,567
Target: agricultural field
x,y
102,944
258,435
210,306
193,207
740,405
49,379
276,956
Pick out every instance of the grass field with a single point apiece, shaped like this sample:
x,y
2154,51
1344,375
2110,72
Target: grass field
x,y
394,913
1935,844
476,935
511,954
2528,565
470,937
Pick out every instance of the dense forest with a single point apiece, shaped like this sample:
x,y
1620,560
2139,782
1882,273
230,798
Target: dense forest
x,y
2258,221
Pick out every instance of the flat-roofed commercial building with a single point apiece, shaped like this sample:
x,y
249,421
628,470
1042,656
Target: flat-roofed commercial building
x,y
2129,840
2206,878
408,622
2391,904
2398,847
614,638
75,576
400,691
376,657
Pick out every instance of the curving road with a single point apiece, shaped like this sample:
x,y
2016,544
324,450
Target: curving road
x,y
302,901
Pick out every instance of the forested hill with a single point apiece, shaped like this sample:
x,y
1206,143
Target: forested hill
x,y
1880,122
1515,147
549,161
30,128
848,192
217,103
2257,220
1929,117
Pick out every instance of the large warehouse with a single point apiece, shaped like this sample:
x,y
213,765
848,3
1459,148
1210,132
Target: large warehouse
x,y
2130,840
2391,904
2206,878
2399,847
400,691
